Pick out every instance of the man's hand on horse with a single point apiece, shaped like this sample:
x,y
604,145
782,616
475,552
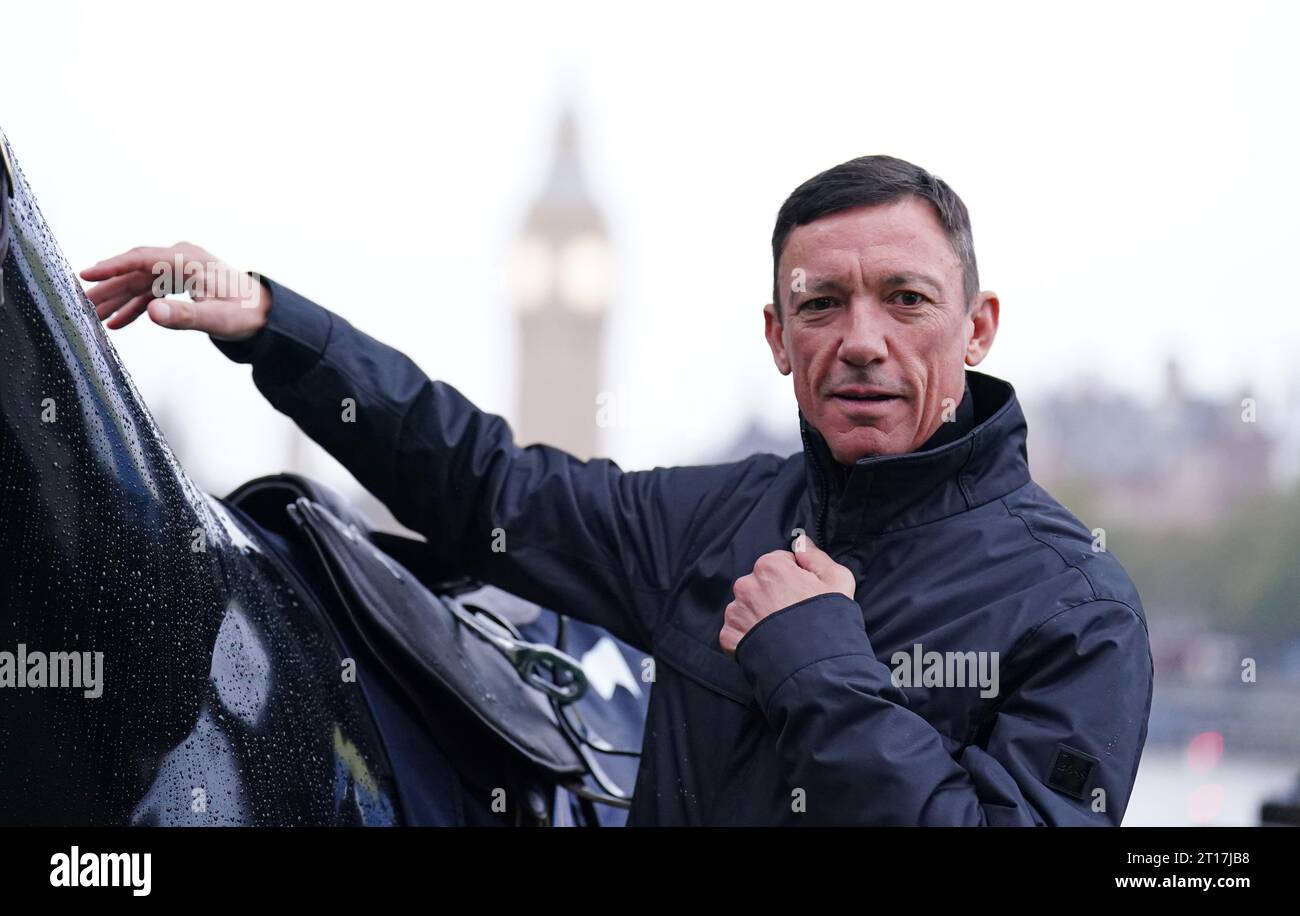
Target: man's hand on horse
x,y
781,578
227,303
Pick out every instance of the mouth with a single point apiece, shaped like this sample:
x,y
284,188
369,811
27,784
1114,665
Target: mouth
x,y
865,396
865,406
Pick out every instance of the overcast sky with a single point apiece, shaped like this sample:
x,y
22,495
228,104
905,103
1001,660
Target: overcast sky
x,y
1129,168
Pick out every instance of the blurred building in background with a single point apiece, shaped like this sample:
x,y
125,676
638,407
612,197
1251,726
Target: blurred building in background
x,y
1184,461
562,275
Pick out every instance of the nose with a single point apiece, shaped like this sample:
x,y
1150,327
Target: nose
x,y
864,334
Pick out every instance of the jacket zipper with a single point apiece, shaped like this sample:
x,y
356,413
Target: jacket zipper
x,y
820,517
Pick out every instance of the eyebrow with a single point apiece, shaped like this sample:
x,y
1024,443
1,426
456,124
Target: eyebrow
x,y
905,278
827,285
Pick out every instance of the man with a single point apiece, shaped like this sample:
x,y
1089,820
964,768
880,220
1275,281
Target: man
x,y
950,648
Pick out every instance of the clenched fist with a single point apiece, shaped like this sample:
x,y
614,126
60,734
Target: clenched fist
x,y
781,578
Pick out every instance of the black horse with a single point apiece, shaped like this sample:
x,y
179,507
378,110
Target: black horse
x,y
168,657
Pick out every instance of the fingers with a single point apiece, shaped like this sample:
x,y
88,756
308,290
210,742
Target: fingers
x,y
728,638
773,564
127,313
168,313
116,290
172,313
808,555
732,630
137,259
818,562
129,284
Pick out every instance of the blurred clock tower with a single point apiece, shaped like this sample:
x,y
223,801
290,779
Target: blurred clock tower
x,y
562,274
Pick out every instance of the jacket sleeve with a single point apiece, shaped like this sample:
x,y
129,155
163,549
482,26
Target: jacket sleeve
x,y
1059,747
583,538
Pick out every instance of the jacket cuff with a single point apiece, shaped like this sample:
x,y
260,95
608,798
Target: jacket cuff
x,y
781,644
295,336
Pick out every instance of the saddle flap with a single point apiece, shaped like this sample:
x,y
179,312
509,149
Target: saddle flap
x,y
427,648
265,498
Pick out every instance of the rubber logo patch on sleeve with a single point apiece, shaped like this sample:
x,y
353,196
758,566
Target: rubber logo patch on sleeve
x,y
1072,771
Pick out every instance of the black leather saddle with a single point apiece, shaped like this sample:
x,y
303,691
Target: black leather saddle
x,y
439,648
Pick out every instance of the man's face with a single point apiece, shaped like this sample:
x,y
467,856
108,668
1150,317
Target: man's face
x,y
876,329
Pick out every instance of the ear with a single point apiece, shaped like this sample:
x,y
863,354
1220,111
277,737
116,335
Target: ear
x,y
983,319
775,333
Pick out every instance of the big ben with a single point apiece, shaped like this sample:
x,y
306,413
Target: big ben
x,y
562,273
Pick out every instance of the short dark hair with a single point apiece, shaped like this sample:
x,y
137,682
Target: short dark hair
x,y
864,182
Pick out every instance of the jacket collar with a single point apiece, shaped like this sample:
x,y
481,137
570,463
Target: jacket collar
x,y
889,492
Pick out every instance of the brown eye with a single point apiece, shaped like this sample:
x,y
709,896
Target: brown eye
x,y
820,304
910,299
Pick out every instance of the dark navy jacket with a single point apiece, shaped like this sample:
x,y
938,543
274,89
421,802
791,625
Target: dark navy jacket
x,y
817,720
